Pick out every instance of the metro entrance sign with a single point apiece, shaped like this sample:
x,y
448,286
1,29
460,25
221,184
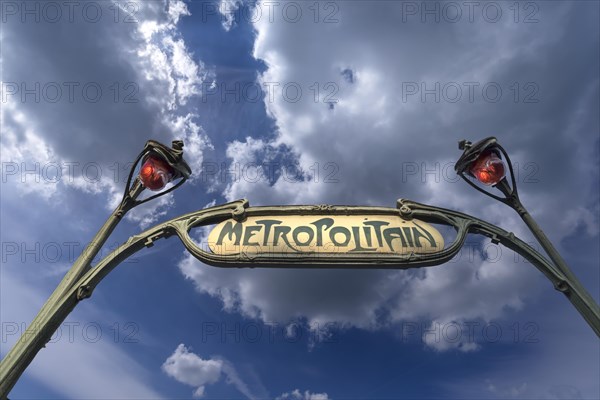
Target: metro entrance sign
x,y
302,236
322,236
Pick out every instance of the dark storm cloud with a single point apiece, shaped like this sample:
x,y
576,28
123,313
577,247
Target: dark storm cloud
x,y
419,87
79,80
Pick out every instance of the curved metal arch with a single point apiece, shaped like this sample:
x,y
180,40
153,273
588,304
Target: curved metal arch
x,y
463,224
181,226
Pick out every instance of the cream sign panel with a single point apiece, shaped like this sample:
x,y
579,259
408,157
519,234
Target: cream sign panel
x,y
342,234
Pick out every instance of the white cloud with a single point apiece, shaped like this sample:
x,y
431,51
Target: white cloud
x,y
227,9
190,369
306,395
148,61
375,131
23,149
163,55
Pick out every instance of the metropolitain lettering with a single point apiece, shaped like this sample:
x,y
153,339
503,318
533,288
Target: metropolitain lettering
x,y
306,234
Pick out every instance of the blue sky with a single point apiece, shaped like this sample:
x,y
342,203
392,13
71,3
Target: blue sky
x,y
341,102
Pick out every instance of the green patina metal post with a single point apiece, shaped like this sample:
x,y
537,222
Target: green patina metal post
x,y
38,333
43,326
482,160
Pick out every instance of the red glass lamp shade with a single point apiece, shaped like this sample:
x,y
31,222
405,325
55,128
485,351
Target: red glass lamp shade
x,y
488,168
155,173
